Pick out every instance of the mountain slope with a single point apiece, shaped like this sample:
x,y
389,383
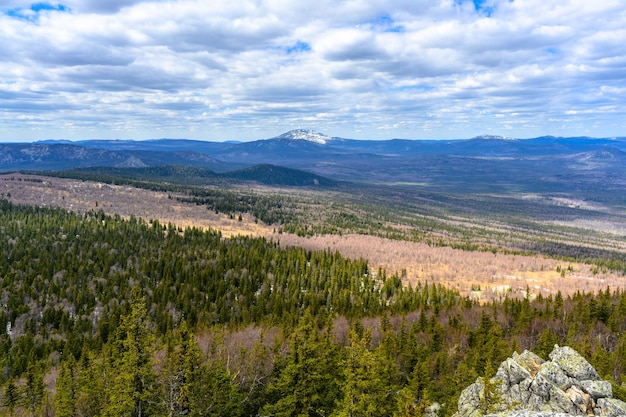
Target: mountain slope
x,y
276,175
588,168
188,175
308,135
59,156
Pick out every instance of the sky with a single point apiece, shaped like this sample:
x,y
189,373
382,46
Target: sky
x,y
364,69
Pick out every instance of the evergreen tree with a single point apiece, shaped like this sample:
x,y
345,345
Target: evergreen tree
x,y
11,397
308,382
91,385
65,397
132,391
253,375
365,392
47,406
182,357
413,398
491,398
33,388
171,380
209,390
545,343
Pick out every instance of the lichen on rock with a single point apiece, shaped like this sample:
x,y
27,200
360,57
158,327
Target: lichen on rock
x,y
573,364
528,386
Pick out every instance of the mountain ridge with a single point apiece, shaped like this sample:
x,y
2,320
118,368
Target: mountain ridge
x,y
265,174
586,167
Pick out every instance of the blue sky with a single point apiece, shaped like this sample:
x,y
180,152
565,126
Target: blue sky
x,y
366,69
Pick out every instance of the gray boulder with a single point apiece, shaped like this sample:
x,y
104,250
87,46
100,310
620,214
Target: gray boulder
x,y
597,389
527,386
573,364
551,372
610,407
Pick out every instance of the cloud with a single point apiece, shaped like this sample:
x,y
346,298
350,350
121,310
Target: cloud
x,y
247,69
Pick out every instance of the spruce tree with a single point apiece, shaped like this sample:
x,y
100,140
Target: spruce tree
x,y
365,391
491,398
11,397
414,397
208,389
132,391
308,382
33,387
65,397
91,385
545,343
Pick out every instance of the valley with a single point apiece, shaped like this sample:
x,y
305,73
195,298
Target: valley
x,y
312,209
266,278
440,254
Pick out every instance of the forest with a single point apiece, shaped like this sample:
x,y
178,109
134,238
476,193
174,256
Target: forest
x,y
503,223
106,316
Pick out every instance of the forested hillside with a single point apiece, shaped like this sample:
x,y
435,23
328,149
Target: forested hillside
x,y
102,316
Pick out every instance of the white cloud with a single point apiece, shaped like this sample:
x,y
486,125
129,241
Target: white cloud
x,y
247,69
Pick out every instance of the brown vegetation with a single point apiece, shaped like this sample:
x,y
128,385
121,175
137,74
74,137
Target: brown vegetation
x,y
483,275
82,196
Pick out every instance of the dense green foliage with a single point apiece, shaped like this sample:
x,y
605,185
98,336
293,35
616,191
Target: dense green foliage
x,y
183,174
107,314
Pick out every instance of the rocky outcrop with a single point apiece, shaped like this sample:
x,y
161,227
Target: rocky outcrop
x,y
527,386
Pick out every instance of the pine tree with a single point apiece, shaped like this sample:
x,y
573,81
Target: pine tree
x,y
65,397
11,397
90,387
33,388
209,390
365,392
308,382
132,387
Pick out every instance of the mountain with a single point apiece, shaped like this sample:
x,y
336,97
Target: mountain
x,y
276,175
493,137
55,156
42,156
183,174
590,167
273,151
304,134
165,145
169,173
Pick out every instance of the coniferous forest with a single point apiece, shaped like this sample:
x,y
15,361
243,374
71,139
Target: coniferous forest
x,y
105,316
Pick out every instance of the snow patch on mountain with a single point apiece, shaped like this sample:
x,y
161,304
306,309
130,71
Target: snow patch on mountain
x,y
493,137
306,134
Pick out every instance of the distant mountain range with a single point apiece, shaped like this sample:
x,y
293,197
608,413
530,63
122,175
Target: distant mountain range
x,y
481,164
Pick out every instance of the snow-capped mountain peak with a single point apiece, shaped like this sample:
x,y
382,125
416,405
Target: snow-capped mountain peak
x,y
493,137
306,134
